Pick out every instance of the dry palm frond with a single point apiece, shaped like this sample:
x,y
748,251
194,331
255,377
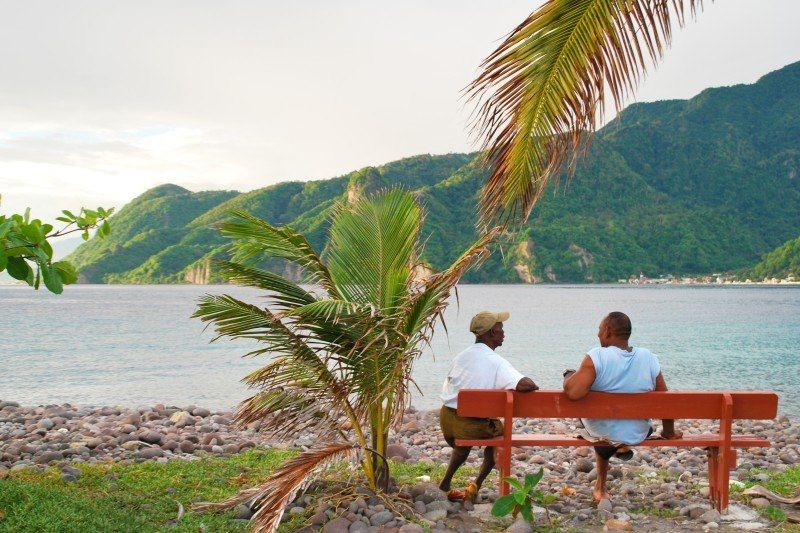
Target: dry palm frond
x,y
545,87
270,498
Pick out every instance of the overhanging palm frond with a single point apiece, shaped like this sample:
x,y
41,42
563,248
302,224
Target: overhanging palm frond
x,y
256,238
544,88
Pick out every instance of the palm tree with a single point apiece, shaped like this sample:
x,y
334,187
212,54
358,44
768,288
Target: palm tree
x,y
541,92
342,351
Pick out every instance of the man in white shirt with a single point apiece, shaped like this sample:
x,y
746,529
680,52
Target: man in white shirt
x,y
477,367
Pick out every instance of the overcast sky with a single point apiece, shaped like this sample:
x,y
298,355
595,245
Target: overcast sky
x,y
101,100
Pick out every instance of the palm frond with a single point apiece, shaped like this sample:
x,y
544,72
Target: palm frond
x,y
256,238
370,246
282,291
270,499
545,87
429,302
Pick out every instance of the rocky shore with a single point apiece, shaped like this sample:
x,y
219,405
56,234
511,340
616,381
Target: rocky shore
x,y
660,489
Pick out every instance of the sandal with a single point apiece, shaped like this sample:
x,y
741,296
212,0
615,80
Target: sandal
x,y
455,495
471,492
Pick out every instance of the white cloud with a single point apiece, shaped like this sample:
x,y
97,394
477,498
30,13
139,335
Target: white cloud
x,y
98,103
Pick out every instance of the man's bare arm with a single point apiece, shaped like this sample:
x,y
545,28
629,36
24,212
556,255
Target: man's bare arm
x,y
526,384
578,384
668,431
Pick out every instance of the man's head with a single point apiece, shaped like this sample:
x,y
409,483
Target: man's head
x,y
614,329
488,328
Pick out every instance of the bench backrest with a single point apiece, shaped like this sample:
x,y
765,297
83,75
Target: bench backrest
x,y
755,405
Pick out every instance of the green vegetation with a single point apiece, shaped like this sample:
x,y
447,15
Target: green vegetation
x,y
131,497
25,242
786,483
144,497
780,263
681,187
344,353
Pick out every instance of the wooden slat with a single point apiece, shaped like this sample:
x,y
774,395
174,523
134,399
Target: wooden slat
x,y
555,440
707,405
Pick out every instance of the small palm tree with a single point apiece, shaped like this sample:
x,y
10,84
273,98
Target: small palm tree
x,y
540,93
342,351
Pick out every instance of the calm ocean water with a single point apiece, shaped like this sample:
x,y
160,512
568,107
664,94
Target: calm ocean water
x,y
135,345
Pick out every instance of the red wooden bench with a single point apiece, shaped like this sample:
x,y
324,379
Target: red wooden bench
x,y
725,406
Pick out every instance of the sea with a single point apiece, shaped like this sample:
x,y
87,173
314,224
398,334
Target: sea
x,y
137,345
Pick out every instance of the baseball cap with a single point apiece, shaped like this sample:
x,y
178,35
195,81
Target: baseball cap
x,y
485,320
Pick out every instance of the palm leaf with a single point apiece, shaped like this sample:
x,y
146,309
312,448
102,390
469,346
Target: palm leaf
x,y
256,238
370,246
270,498
545,87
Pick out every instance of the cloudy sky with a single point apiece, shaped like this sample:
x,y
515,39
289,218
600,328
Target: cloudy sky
x,y
102,100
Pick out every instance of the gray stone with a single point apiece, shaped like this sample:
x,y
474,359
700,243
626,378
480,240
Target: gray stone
x,y
151,437
759,503
337,525
584,465
712,515
45,423
243,512
48,457
411,528
520,526
201,412
420,507
358,526
438,514
397,450
383,517
605,505
438,504
151,453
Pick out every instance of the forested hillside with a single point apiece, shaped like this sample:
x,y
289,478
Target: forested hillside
x,y
677,187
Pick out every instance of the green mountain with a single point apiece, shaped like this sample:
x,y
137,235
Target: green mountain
x,y
680,187
781,263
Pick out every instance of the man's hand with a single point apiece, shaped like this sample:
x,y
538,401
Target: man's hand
x,y
526,385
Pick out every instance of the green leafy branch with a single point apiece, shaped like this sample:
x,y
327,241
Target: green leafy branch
x,y
521,499
27,255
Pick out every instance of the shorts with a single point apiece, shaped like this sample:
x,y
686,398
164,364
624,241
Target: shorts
x,y
608,451
460,427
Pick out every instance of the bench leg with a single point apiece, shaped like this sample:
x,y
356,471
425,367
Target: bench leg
x,y
505,469
723,477
713,457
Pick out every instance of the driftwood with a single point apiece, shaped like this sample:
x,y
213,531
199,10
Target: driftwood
x,y
758,490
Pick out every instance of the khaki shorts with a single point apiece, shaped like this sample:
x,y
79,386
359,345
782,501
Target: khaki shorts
x,y
460,427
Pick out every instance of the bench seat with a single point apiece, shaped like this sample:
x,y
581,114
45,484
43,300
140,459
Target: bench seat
x,y
554,440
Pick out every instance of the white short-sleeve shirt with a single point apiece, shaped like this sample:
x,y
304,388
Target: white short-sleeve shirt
x,y
478,367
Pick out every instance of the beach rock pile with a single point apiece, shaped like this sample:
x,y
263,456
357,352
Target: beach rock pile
x,y
659,489
56,433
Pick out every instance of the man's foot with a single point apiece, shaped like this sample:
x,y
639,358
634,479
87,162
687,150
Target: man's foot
x,y
471,492
624,453
455,495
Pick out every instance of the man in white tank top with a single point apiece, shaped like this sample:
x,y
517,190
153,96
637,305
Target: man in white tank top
x,y
615,366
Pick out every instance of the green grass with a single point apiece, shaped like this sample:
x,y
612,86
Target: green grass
x,y
144,497
785,483
138,497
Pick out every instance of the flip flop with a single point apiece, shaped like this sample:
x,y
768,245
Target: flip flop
x,y
471,492
455,495
625,456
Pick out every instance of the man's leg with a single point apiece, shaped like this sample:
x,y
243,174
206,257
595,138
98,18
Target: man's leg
x,y
457,458
486,466
600,492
